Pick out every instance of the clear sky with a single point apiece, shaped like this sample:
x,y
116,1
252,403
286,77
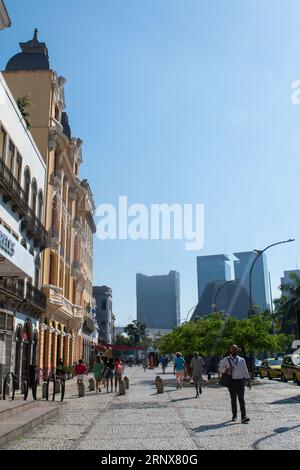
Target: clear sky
x,y
185,101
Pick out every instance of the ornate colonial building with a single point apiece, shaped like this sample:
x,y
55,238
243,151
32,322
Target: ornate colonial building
x,y
67,260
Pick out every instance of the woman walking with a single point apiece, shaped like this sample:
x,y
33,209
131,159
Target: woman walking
x,y
179,368
109,375
119,370
98,372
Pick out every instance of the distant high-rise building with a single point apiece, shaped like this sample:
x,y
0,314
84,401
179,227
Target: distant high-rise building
x,y
286,280
260,282
230,297
104,315
210,269
158,300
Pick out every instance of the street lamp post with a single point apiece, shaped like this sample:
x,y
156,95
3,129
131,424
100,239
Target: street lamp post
x,y
259,253
214,305
191,309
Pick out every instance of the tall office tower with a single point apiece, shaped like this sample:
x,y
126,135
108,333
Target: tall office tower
x,y
158,300
286,280
104,315
210,269
260,282
229,297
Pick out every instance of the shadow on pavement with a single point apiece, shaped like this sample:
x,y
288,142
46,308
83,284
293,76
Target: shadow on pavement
x,y
286,401
211,427
277,431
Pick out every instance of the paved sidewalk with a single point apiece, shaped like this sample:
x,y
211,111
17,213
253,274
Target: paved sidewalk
x,y
175,420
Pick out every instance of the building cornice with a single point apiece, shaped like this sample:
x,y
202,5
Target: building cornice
x,y
4,17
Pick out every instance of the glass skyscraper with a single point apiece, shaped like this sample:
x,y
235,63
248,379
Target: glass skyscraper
x,y
210,269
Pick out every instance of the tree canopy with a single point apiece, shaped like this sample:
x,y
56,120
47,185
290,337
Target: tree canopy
x,y
213,334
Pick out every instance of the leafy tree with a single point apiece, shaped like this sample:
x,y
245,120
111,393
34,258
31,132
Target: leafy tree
x,y
23,104
136,332
213,334
122,340
287,307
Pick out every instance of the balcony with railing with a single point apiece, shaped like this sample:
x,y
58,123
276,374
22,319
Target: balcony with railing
x,y
35,298
34,228
12,190
20,290
11,288
88,326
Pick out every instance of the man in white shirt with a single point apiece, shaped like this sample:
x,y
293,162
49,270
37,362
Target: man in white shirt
x,y
235,366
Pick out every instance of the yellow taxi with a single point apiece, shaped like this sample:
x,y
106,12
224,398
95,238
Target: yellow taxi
x,y
270,368
291,368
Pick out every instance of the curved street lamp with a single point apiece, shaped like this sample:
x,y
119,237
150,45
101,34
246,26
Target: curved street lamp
x,y
214,305
259,253
191,309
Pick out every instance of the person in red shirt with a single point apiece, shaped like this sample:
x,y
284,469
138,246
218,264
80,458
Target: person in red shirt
x,y
80,371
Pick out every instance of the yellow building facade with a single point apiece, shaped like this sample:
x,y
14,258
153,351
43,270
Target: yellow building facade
x,y
67,263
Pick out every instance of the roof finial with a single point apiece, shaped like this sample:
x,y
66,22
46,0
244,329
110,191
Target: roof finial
x,y
35,36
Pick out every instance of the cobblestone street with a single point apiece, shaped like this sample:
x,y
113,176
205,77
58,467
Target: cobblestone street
x,y
174,420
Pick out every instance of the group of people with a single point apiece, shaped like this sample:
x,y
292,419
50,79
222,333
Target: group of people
x,y
106,371
233,367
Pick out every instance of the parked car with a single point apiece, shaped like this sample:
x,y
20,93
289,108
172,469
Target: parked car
x,y
257,363
270,368
291,368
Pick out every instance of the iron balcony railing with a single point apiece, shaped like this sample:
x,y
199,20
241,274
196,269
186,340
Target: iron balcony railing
x,y
88,325
13,189
13,286
24,291
35,296
35,229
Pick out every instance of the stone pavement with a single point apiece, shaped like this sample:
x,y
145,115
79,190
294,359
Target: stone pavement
x,y
174,420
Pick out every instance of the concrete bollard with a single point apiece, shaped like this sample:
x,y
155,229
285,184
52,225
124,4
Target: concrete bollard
x,y
126,380
157,379
122,387
159,385
91,385
81,390
44,390
57,386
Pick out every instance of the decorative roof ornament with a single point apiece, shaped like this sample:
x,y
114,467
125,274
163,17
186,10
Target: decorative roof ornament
x,y
34,46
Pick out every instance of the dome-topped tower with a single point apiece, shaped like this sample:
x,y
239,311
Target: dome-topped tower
x,y
34,56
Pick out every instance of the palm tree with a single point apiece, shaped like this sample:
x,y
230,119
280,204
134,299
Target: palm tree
x,y
287,308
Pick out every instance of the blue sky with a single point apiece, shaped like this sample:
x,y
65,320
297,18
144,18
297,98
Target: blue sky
x,y
185,101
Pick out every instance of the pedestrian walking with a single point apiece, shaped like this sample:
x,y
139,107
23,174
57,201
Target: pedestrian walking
x,y
235,367
98,373
109,376
119,371
80,371
197,371
179,369
163,361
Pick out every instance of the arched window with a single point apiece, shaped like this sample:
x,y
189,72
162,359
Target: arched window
x,y
27,179
41,204
34,191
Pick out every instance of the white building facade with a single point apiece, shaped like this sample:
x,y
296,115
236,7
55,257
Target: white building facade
x,y
22,240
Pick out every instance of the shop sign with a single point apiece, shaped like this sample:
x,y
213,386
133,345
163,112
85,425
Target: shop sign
x,y
6,244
